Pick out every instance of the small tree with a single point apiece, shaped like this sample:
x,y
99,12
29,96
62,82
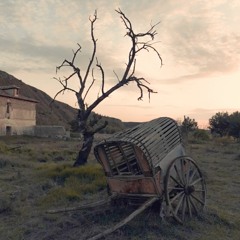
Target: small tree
x,y
234,125
219,124
139,42
188,125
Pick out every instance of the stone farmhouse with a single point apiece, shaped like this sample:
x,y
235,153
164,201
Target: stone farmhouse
x,y
17,113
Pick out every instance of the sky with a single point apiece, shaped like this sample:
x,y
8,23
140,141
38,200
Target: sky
x,y
199,42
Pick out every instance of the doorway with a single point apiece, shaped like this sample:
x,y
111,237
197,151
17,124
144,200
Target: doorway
x,y
8,131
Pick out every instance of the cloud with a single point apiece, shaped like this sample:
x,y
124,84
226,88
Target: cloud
x,y
185,78
198,38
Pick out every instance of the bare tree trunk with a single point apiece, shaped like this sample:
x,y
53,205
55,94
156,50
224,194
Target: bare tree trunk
x,y
85,149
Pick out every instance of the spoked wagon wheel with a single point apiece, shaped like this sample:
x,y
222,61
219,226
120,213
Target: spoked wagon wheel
x,y
185,189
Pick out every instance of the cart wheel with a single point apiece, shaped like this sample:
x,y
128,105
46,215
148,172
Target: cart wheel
x,y
185,189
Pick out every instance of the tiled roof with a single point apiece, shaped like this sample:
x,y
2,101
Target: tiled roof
x,y
9,87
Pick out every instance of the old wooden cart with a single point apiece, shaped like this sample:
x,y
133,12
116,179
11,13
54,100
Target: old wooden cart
x,y
149,162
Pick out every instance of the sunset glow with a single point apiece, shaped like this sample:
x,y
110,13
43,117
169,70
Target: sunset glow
x,y
199,42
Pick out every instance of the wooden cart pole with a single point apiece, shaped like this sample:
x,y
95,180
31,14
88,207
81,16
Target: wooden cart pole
x,y
126,220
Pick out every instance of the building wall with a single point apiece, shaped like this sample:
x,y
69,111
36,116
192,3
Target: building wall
x,y
17,116
51,131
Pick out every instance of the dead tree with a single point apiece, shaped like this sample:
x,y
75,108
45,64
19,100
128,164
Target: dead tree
x,y
139,42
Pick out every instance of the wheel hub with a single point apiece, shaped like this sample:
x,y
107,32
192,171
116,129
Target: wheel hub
x,y
189,190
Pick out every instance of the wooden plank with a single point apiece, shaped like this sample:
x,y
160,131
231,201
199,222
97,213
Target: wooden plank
x,y
83,206
137,184
103,159
126,220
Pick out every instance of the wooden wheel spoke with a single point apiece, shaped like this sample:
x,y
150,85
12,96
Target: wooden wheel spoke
x,y
176,197
184,177
193,174
189,206
182,183
196,181
176,181
197,199
176,188
178,205
194,207
184,207
188,173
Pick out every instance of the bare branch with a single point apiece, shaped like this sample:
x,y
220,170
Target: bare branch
x,y
126,21
137,46
151,32
133,69
61,91
94,41
76,52
102,73
146,46
99,128
93,80
67,63
158,54
141,86
116,76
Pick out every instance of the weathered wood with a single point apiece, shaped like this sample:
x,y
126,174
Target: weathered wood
x,y
83,206
126,220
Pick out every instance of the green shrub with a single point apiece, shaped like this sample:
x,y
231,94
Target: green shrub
x,y
73,183
201,135
85,173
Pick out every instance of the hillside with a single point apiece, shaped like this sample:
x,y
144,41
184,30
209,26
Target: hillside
x,y
58,113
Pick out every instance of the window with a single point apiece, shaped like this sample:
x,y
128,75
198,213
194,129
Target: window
x,y
8,107
8,110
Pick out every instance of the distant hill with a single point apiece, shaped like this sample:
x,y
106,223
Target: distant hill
x,y
58,113
131,124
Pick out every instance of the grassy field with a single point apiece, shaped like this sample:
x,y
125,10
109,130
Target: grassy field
x,y
36,175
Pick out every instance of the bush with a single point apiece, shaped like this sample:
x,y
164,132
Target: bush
x,y
201,135
188,125
225,124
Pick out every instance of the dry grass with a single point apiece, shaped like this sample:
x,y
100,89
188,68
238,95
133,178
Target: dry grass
x,y
36,175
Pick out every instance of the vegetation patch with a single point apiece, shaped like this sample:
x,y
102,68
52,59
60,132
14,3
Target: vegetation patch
x,y
3,147
72,182
237,157
5,206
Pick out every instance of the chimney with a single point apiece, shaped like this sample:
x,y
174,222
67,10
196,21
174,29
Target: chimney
x,y
11,90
